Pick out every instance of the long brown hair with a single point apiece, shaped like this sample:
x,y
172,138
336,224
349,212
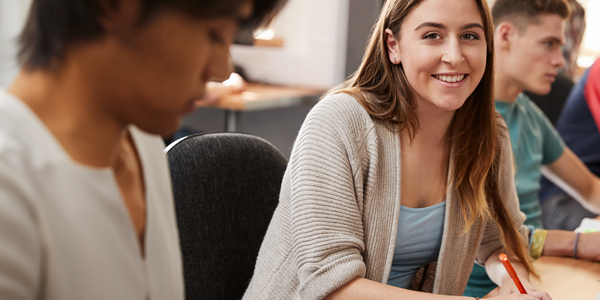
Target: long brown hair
x,y
384,91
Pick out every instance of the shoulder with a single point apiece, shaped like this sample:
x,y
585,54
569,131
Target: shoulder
x,y
338,118
502,132
341,113
340,126
340,107
504,147
533,111
11,142
17,158
24,139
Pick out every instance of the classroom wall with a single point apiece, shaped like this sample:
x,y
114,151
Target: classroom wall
x,y
12,16
314,51
315,34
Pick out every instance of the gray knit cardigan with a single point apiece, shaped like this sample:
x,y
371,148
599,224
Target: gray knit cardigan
x,y
339,206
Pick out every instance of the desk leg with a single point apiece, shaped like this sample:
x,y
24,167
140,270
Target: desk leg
x,y
233,121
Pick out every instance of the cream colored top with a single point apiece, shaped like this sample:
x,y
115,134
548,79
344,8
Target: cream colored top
x,y
339,206
65,233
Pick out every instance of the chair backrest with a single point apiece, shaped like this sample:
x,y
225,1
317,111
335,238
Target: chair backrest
x,y
226,188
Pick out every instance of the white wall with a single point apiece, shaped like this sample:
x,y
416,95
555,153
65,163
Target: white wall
x,y
12,16
314,51
10,20
313,55
590,46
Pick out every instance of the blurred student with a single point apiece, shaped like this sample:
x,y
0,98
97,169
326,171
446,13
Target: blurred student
x,y
403,165
574,31
579,126
552,103
86,209
528,39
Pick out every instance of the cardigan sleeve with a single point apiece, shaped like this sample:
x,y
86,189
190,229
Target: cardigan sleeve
x,y
20,250
491,241
326,222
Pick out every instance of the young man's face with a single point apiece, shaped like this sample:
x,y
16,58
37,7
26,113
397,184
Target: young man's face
x,y
158,71
535,55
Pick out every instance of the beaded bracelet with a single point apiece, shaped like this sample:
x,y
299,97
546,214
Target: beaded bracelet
x,y
575,248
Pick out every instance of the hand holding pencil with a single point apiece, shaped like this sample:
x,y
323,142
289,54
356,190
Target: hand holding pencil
x,y
511,272
515,278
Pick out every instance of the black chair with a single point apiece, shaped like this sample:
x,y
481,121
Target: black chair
x,y
226,188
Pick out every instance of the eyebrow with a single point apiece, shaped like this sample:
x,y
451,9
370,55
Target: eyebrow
x,y
556,40
442,26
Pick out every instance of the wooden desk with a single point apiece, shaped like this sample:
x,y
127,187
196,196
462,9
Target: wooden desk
x,y
260,97
566,278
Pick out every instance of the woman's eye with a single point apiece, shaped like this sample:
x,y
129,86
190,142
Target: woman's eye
x,y
432,36
470,36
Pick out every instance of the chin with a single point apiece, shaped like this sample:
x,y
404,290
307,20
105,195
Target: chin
x,y
451,105
540,90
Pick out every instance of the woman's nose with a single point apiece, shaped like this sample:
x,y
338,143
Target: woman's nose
x,y
453,53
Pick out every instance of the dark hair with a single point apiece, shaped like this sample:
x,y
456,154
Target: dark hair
x,y
522,13
52,24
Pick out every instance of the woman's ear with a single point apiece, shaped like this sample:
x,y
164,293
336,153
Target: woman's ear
x,y
393,47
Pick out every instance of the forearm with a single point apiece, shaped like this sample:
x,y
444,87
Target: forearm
x,y
365,289
559,243
562,243
594,198
497,272
571,175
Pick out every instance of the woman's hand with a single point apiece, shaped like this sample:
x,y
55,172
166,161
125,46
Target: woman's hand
x,y
509,288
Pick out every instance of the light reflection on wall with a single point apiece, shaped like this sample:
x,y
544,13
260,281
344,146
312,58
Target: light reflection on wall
x,y
590,47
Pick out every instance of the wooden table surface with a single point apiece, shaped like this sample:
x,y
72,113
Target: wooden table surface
x,y
262,96
566,278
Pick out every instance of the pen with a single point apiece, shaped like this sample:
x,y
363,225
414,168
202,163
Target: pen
x,y
512,273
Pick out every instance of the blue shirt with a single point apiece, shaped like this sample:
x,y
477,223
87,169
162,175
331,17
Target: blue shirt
x,y
418,242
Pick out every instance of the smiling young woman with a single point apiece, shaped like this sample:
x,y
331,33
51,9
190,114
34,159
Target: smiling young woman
x,y
403,165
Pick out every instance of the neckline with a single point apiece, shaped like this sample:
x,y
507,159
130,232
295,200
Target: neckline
x,y
422,209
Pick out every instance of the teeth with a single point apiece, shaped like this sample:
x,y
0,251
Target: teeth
x,y
450,78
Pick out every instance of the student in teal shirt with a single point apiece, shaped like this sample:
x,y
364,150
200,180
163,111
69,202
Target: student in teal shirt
x,y
535,142
528,38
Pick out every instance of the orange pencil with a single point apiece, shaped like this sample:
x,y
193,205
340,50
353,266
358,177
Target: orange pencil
x,y
511,272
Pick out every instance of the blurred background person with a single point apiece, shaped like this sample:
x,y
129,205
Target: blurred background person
x,y
579,126
528,39
552,103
